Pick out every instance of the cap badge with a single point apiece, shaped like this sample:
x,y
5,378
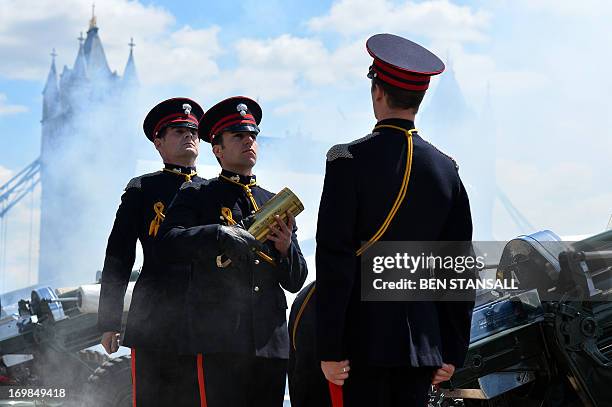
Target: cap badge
x,y
242,109
372,73
187,108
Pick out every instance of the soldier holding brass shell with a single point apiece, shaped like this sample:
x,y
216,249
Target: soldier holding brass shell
x,y
240,239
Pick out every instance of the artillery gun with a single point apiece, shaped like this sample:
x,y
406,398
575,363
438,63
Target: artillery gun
x,y
550,345
45,336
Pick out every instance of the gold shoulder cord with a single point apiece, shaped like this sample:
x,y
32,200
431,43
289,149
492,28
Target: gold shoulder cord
x,y
300,312
400,196
247,189
383,228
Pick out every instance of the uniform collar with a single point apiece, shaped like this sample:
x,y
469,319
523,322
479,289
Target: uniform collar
x,y
403,123
241,179
179,169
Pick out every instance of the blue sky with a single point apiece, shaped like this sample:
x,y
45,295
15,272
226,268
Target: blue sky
x,y
545,63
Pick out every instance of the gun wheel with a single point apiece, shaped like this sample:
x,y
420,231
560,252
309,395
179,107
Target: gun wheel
x,y
110,385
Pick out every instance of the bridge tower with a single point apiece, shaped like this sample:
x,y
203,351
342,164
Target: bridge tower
x,y
86,150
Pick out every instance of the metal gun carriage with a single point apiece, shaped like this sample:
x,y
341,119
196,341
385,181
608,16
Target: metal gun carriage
x,y
45,341
550,346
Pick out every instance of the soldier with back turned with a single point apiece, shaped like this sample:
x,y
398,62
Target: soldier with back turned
x,y
391,185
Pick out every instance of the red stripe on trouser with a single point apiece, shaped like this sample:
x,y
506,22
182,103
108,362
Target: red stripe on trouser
x,y
335,394
133,377
201,383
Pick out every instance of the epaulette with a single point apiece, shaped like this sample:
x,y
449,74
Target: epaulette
x,y
136,182
443,153
342,150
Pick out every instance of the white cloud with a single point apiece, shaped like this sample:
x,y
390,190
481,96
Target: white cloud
x,y
8,109
271,68
288,68
303,55
185,56
164,53
435,19
585,8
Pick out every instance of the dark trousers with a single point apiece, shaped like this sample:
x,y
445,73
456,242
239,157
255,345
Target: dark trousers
x,y
387,386
162,379
234,380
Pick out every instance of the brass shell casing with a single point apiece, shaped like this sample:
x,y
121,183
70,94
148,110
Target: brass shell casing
x,y
284,201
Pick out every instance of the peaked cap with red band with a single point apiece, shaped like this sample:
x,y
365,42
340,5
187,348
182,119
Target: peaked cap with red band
x,y
402,63
175,112
238,113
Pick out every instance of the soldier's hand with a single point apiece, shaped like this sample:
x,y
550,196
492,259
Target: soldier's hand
x,y
281,234
235,242
110,341
336,372
443,374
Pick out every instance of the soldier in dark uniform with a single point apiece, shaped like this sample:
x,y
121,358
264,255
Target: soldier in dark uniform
x,y
236,312
390,185
154,318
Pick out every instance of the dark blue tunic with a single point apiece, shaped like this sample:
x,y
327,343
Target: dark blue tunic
x,y
362,181
240,308
156,310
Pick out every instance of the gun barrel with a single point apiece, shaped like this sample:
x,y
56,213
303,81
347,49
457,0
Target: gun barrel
x,y
595,255
63,299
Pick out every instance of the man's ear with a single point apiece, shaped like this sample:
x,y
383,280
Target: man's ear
x,y
157,142
217,150
378,93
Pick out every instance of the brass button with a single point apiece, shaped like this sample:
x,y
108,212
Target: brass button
x,y
256,261
256,288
